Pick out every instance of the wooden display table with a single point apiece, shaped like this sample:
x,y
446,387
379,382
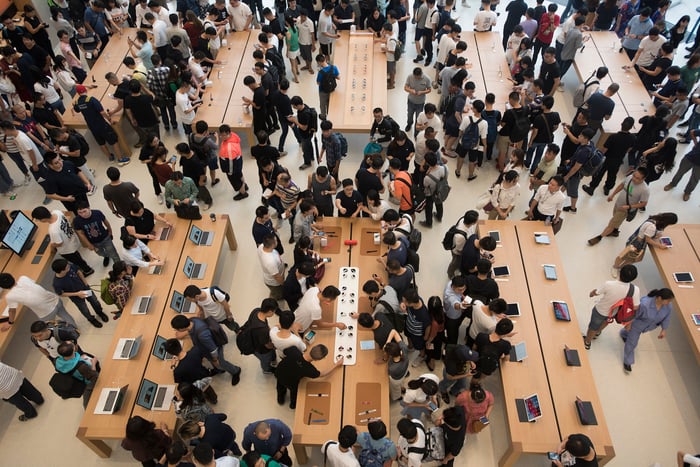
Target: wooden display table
x,y
494,67
362,86
682,257
566,383
33,264
95,430
522,379
110,60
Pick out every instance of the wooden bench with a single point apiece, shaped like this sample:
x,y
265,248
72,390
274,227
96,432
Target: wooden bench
x,y
682,257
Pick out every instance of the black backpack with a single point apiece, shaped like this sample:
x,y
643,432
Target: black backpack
x,y
328,81
395,128
470,138
414,237
199,148
274,56
413,260
65,385
245,340
417,195
313,121
448,241
522,125
84,146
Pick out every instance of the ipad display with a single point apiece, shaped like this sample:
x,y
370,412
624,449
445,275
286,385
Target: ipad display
x,y
550,272
495,234
666,241
513,309
683,277
561,311
501,271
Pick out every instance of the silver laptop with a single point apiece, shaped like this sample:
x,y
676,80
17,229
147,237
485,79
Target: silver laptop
x,y
159,349
141,304
201,237
163,233
110,400
181,305
518,352
154,396
127,348
194,270
156,269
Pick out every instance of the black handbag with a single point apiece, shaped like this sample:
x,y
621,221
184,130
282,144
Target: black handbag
x,y
188,211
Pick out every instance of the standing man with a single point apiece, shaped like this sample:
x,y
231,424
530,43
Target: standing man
x,y
465,228
689,163
258,103
417,86
295,366
269,437
615,149
140,109
231,161
636,30
202,337
24,291
547,203
70,282
543,127
118,194
584,152
95,232
211,302
307,40
305,128
636,196
516,9
157,80
259,329
272,266
550,73
485,19
63,238
600,107
326,31
573,42
18,391
65,182
549,22
327,78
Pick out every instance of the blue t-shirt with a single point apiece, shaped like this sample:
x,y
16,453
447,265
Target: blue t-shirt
x,y
91,109
637,28
70,282
384,446
96,20
322,72
93,227
400,254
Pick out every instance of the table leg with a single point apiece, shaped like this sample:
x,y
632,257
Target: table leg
x,y
98,446
230,235
300,453
511,456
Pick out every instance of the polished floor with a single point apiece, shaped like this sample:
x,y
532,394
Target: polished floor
x,y
651,412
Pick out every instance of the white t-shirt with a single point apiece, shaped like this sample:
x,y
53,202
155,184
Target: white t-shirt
x,y
415,459
434,122
239,15
309,309
505,197
160,37
483,126
212,307
325,24
134,255
480,321
611,292
227,461
565,28
26,144
182,105
484,20
446,44
271,264
50,345
196,69
651,50
62,232
282,343
30,294
306,31
49,92
336,458
549,203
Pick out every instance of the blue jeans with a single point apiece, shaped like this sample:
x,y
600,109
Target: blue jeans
x,y
413,111
6,181
58,105
266,360
693,124
106,249
457,385
17,159
537,149
60,312
225,365
414,412
81,304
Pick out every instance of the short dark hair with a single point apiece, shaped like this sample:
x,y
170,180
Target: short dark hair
x,y
407,428
459,281
483,266
487,243
366,320
38,326
7,281
41,213
203,453
628,273
348,434
180,322
377,429
331,292
370,286
173,346
192,291
498,306
113,174
59,265
286,319
504,327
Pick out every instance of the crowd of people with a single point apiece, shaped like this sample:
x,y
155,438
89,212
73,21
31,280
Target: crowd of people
x,y
465,326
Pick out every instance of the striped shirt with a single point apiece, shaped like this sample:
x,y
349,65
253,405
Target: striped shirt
x,y
289,194
10,381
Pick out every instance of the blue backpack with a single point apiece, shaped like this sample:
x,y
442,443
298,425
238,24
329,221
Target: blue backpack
x,y
470,138
492,117
370,458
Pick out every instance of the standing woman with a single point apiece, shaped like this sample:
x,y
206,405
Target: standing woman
x,y
504,196
605,15
477,402
436,337
194,28
37,28
162,168
646,234
659,159
677,33
64,78
145,441
654,311
292,45
154,152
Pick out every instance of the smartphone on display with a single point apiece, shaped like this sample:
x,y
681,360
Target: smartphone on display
x,y
432,406
552,456
309,336
550,272
327,260
495,234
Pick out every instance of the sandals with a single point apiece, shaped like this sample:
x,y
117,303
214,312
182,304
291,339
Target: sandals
x,y
587,345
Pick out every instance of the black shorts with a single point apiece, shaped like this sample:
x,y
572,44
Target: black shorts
x,y
327,49
105,135
420,32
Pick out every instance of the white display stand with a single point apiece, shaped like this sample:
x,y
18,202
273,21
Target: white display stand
x,y
346,340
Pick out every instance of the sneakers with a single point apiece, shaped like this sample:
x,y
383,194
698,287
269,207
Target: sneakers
x,y
161,198
123,161
95,323
408,127
236,378
627,368
92,191
668,187
103,317
112,158
570,209
614,233
105,261
216,180
240,196
304,166
471,177
588,189
686,196
595,240
27,179
418,59
606,191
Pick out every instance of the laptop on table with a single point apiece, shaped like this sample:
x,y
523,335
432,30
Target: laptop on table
x,y
181,305
201,237
194,270
154,396
110,400
163,233
141,304
127,348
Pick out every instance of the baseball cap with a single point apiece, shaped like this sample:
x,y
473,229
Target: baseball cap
x,y
80,89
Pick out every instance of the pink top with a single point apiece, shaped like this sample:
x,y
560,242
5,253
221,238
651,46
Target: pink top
x,y
70,57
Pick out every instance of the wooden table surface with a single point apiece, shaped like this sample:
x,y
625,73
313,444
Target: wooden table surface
x,y
494,67
566,382
30,264
682,257
522,379
94,429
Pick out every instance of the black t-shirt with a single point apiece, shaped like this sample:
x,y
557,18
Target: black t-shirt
x,y
143,224
470,254
496,349
567,146
192,167
122,90
545,129
66,182
39,55
262,152
366,181
291,289
349,202
141,107
548,73
203,46
283,104
381,334
401,152
304,118
72,144
45,116
454,438
218,434
618,144
293,367
483,290
260,331
268,83
599,105
190,369
259,99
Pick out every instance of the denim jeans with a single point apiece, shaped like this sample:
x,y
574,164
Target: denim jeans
x,y
537,149
266,360
226,365
106,249
284,125
17,159
413,111
81,304
457,385
21,399
414,412
6,181
685,166
693,124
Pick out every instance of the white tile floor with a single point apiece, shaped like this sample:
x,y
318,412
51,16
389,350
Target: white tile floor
x,y
651,413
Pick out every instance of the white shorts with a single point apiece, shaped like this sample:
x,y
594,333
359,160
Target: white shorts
x,y
293,54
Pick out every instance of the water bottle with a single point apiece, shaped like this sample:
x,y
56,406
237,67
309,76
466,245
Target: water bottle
x,y
353,28
548,220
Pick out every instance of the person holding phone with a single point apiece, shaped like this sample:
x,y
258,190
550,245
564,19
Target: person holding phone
x,y
575,450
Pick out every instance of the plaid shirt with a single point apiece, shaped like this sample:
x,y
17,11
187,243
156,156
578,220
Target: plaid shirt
x,y
158,81
333,148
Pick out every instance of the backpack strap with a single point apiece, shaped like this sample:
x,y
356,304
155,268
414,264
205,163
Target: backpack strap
x,y
325,452
630,292
416,449
410,186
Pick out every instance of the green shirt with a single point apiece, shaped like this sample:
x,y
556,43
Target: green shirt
x,y
293,39
268,463
689,76
187,190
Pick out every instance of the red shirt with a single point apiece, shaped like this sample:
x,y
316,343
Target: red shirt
x,y
546,31
230,148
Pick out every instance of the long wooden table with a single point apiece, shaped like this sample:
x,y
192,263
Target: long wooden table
x,y
32,264
362,86
522,379
566,383
494,66
110,60
683,256
94,430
